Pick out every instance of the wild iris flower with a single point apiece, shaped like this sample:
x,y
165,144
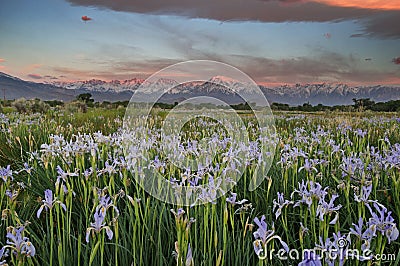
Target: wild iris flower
x,y
366,236
232,200
62,178
6,173
108,168
384,222
363,197
308,166
263,236
309,190
210,191
3,254
105,202
26,168
49,201
12,194
17,242
352,166
178,214
325,207
361,133
99,224
280,204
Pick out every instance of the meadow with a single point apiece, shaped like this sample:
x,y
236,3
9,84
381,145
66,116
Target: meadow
x,y
69,195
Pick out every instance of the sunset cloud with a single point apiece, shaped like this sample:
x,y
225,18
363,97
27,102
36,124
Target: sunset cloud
x,y
323,67
50,77
367,4
382,26
35,76
116,70
274,41
224,10
378,18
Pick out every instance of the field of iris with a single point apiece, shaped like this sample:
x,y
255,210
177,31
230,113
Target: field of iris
x,y
70,196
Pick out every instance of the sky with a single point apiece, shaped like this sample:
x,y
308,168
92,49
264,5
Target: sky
x,y
275,42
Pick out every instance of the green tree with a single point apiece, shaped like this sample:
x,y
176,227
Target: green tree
x,y
363,104
85,97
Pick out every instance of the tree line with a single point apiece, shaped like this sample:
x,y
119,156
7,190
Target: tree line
x,y
363,104
85,100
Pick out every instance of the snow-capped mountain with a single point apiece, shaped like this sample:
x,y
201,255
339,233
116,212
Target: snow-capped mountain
x,y
215,84
101,86
329,94
218,87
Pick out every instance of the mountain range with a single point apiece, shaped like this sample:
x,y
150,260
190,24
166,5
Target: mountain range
x,y
122,90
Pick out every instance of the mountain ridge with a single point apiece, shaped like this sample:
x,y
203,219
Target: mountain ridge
x,y
122,90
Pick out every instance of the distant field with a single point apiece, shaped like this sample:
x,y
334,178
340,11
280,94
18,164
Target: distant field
x,y
334,184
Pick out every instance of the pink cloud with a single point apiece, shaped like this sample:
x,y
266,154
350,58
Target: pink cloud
x,y
2,60
371,4
35,76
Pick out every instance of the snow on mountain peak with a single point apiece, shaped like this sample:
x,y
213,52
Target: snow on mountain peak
x,y
223,79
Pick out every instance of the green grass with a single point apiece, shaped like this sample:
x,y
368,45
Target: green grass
x,y
146,232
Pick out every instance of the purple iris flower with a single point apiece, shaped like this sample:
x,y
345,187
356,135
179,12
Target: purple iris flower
x,y
280,204
3,254
6,173
49,201
178,214
309,166
19,243
263,236
325,207
384,222
363,197
99,224
232,200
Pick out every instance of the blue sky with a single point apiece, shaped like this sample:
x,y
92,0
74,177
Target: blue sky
x,y
47,40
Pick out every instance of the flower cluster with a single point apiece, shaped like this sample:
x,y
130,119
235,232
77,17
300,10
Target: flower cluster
x,y
17,243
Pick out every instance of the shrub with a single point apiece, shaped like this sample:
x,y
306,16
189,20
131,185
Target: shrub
x,y
30,106
76,106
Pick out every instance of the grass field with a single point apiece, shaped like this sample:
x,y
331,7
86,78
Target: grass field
x,y
69,196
